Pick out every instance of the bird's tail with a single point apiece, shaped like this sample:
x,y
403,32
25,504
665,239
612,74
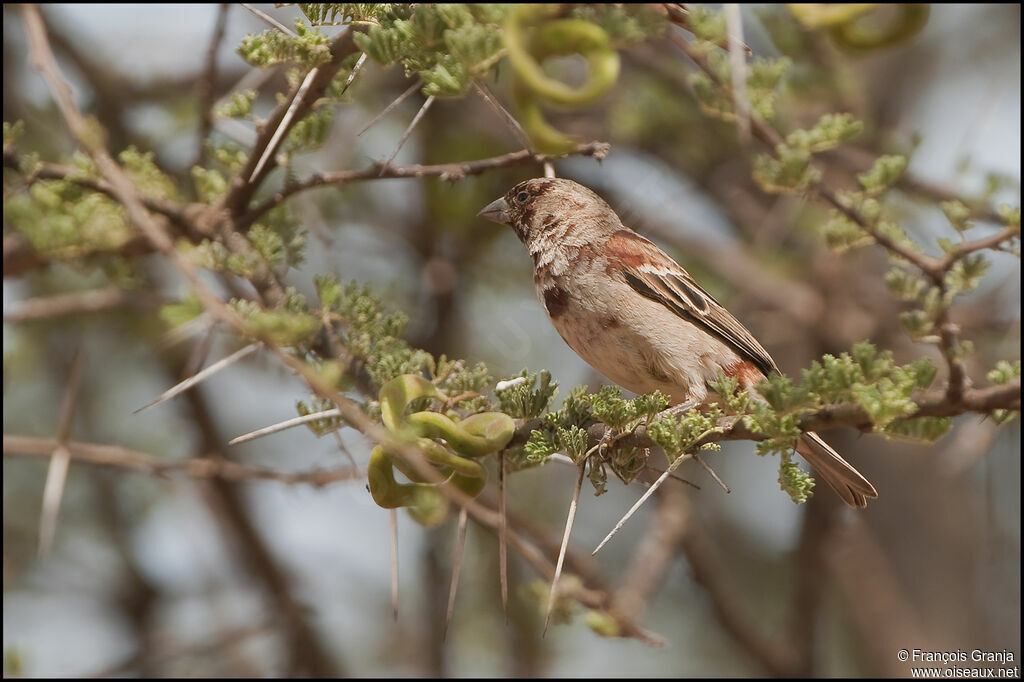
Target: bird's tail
x,y
836,471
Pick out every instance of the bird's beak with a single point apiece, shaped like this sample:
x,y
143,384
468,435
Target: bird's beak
x,y
496,211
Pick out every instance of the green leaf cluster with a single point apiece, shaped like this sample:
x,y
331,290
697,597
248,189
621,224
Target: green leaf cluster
x,y
527,395
456,378
789,169
793,480
1002,374
623,24
883,174
368,334
308,47
446,45
678,434
610,407
238,105
341,13
63,220
763,78
321,426
292,324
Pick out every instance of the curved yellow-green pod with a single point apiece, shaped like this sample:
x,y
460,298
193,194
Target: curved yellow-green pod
x,y
865,35
473,437
560,38
821,15
396,394
544,137
425,502
527,48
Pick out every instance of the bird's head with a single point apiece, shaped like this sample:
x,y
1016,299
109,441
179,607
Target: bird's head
x,y
553,210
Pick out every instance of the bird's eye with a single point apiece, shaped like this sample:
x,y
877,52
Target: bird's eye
x,y
522,196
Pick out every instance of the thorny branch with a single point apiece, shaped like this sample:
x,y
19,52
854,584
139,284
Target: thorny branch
x,y
446,171
197,467
124,191
935,268
20,258
982,401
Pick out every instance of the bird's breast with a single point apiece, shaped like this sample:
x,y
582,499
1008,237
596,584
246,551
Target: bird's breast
x,y
635,342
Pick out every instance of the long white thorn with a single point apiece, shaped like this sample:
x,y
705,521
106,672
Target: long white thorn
x,y
460,545
643,498
389,108
355,71
408,131
57,472
200,376
565,544
271,149
502,536
393,525
286,424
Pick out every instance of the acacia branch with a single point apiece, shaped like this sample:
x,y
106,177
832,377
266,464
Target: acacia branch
x,y
934,268
118,457
298,104
446,171
938,404
53,171
77,302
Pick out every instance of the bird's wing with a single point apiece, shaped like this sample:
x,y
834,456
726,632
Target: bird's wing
x,y
651,273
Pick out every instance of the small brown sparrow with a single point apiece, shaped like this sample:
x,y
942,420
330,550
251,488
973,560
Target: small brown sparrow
x,y
635,315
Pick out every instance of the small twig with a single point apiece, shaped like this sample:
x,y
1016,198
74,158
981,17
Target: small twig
x,y
447,171
207,83
286,424
679,14
172,337
738,69
460,546
200,376
408,131
674,477
393,535
285,124
75,302
270,20
57,473
343,449
503,113
502,536
711,472
389,108
573,504
352,76
200,352
549,170
198,467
